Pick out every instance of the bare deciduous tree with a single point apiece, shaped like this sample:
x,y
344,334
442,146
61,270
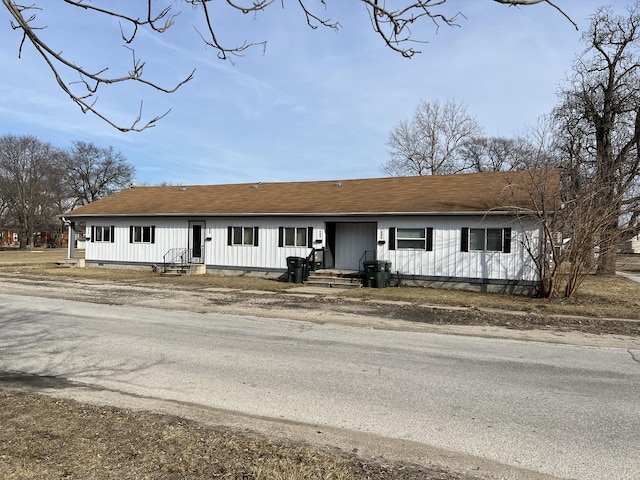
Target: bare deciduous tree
x,y
565,254
600,124
92,172
4,206
430,143
394,26
571,212
495,154
29,183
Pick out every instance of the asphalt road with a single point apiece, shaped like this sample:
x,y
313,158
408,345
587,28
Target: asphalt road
x,y
571,412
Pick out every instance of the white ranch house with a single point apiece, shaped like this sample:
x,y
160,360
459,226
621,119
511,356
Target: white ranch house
x,y
463,230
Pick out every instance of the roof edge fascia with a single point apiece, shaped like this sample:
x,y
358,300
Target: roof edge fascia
x,y
303,214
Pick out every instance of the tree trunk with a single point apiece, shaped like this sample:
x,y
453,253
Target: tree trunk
x,y
608,252
25,236
23,239
607,264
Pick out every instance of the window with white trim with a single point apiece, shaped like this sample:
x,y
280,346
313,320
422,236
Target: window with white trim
x,y
247,236
101,233
486,240
295,236
411,238
142,234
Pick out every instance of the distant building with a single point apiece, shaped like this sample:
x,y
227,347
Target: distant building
x,y
8,237
632,245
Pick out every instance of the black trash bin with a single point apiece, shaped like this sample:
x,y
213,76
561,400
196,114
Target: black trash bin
x,y
295,268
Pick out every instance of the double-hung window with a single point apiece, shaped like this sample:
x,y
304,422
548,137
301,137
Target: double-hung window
x,y
142,234
486,240
411,238
100,233
295,236
247,236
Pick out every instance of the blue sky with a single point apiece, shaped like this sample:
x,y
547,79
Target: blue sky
x,y
316,105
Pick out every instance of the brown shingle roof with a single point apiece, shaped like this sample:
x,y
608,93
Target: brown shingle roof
x,y
479,192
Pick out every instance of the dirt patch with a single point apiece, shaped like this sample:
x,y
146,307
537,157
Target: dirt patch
x,y
49,438
368,309
599,297
519,321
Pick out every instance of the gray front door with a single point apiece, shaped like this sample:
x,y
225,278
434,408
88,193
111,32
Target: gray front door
x,y
196,241
352,240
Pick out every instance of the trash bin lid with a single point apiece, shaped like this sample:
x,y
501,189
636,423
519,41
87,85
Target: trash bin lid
x,y
296,261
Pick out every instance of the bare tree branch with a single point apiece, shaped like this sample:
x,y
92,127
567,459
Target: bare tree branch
x,y
394,26
90,80
534,2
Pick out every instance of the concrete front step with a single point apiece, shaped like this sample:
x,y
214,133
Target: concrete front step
x,y
331,283
334,279
175,272
71,263
180,270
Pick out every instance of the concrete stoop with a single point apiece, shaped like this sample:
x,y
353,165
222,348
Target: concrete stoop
x,y
182,270
334,279
71,263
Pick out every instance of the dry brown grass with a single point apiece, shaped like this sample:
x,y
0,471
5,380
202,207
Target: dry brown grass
x,y
48,438
12,257
611,297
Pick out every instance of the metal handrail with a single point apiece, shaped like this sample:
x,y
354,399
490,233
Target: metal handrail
x,y
363,258
176,256
312,256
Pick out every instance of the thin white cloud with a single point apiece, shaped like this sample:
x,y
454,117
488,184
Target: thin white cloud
x,y
318,104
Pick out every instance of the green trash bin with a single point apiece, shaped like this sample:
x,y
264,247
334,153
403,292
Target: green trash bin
x,y
377,273
380,279
295,268
373,274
